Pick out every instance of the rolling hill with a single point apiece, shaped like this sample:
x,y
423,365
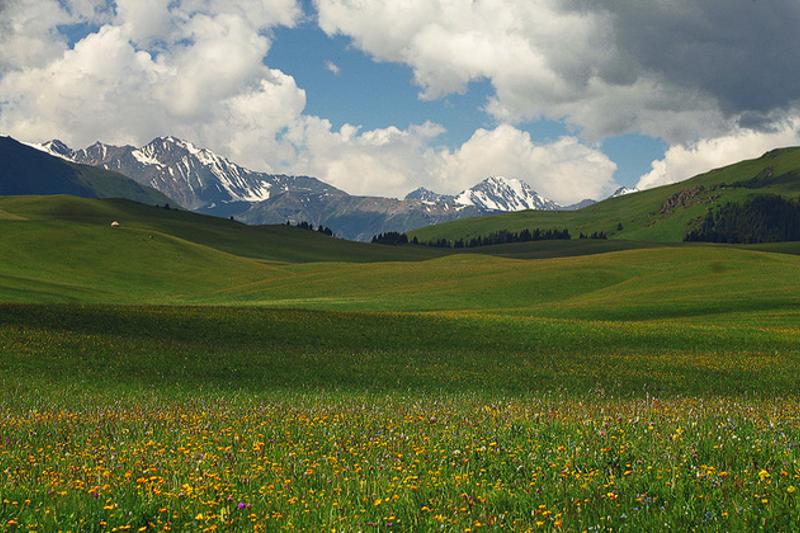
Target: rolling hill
x,y
28,171
663,214
62,249
61,214
92,217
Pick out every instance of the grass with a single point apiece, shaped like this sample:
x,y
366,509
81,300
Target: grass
x,y
190,373
268,243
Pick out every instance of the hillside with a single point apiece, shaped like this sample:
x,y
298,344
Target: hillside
x,y
663,214
26,171
63,249
89,220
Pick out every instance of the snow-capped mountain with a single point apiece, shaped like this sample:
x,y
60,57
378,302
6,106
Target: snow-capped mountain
x,y
494,194
497,193
622,191
428,197
196,178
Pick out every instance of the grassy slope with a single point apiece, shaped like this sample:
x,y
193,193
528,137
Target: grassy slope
x,y
271,243
639,212
84,260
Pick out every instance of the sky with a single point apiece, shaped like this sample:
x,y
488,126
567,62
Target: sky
x,y
381,97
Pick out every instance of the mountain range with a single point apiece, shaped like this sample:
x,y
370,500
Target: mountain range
x,y
201,180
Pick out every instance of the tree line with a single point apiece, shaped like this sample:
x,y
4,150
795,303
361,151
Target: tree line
x,y
594,235
498,237
764,218
393,238
310,227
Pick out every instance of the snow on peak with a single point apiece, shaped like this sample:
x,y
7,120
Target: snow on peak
x,y
55,148
428,197
500,193
145,157
622,191
183,158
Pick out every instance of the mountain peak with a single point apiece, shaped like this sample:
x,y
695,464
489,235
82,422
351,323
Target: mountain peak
x,y
503,180
57,145
622,191
501,193
427,196
54,147
194,177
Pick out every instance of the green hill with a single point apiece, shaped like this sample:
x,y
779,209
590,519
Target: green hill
x,y
62,249
27,171
271,243
663,214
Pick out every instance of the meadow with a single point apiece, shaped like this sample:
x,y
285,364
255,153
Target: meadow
x,y
188,373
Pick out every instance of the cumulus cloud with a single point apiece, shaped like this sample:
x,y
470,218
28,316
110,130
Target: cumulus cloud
x,y
685,161
680,70
27,32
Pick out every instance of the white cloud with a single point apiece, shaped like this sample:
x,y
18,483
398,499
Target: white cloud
x,y
386,161
143,21
333,68
27,35
685,161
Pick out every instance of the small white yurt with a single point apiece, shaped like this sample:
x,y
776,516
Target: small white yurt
x,y
115,224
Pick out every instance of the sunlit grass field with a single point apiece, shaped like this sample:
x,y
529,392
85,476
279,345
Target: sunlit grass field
x,y
152,378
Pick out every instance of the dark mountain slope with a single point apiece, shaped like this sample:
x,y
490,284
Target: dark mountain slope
x,y
28,171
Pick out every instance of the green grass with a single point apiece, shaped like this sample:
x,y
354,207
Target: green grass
x,y
186,372
640,213
269,243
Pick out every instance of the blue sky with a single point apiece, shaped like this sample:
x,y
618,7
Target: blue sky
x,y
379,94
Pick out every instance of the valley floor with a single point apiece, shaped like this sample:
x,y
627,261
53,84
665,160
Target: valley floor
x,y
167,376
